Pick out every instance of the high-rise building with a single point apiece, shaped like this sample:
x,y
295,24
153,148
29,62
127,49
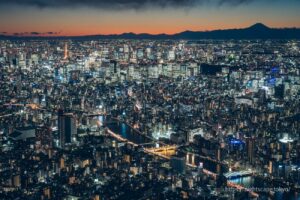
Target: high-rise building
x,y
66,128
17,180
279,91
262,96
250,149
178,164
47,193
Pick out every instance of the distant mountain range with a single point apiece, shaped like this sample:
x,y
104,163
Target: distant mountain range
x,y
256,31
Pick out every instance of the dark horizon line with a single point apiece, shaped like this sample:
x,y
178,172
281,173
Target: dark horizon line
x,y
53,35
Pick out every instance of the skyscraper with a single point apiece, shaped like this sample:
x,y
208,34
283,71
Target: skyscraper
x,y
178,164
66,128
250,149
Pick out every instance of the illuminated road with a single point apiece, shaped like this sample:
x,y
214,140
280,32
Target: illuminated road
x,y
30,105
204,157
10,115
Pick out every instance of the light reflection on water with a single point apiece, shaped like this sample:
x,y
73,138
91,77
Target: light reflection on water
x,y
124,130
248,182
245,181
128,133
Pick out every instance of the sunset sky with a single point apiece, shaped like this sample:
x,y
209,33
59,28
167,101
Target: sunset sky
x,y
89,17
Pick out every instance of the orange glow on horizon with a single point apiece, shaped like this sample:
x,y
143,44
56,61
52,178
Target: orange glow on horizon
x,y
81,28
136,30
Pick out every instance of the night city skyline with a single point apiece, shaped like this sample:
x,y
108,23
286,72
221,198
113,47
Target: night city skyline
x,y
149,100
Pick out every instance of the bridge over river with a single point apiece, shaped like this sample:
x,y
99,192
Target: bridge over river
x,y
123,132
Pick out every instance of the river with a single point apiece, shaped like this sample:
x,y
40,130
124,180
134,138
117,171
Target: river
x,y
250,182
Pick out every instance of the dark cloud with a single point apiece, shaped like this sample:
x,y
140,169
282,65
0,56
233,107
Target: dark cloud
x,y
53,33
21,33
234,2
35,33
120,4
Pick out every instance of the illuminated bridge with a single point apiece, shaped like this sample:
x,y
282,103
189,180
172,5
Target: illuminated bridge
x,y
164,151
229,183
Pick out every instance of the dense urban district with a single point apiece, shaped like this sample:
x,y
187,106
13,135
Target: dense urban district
x,y
143,119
